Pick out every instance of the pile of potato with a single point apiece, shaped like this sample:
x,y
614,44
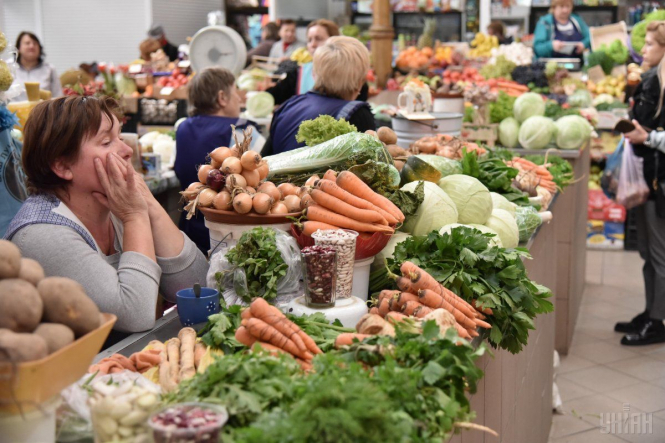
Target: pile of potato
x,y
39,315
235,180
388,137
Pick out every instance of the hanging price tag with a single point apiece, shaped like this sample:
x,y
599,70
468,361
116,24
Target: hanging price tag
x,y
135,68
167,90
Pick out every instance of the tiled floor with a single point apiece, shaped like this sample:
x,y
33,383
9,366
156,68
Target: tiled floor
x,y
599,376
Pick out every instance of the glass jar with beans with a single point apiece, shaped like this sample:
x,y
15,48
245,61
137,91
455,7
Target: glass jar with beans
x,y
344,242
320,277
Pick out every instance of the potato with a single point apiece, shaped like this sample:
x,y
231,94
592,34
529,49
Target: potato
x,y
31,271
399,164
20,305
396,151
372,133
65,302
10,259
20,347
387,135
55,335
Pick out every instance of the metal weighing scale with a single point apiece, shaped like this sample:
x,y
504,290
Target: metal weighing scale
x,y
217,46
571,64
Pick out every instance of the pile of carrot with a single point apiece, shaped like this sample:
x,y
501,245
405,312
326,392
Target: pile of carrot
x,y
266,326
545,178
345,201
419,294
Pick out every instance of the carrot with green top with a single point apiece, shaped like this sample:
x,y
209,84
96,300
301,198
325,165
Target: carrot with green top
x,y
349,338
351,183
461,318
340,207
330,187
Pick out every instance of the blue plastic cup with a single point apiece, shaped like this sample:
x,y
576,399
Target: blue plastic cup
x,y
193,309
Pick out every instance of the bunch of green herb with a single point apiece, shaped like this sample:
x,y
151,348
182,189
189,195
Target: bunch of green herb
x,y
502,108
464,262
320,329
555,111
493,172
219,332
322,129
561,169
247,384
256,253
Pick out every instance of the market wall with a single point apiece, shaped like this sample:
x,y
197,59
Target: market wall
x,y
515,396
111,34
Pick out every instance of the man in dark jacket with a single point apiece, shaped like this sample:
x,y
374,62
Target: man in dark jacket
x,y
157,32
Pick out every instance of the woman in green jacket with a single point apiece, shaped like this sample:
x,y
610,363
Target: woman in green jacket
x,y
561,34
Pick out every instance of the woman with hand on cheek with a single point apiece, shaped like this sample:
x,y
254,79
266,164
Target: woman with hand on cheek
x,y
91,217
649,144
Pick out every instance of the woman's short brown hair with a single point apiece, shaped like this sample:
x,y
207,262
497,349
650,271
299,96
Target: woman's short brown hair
x,y
497,28
55,131
273,31
331,27
204,88
340,66
556,3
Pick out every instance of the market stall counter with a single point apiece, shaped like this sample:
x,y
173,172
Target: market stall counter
x,y
515,395
570,233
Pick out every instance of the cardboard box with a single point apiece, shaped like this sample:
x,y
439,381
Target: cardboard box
x,y
607,34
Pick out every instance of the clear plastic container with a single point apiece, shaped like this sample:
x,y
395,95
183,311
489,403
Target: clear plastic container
x,y
319,273
344,241
188,423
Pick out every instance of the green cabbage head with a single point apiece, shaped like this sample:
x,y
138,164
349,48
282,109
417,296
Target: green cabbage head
x,y
471,197
508,133
537,133
436,210
573,132
501,202
527,105
505,225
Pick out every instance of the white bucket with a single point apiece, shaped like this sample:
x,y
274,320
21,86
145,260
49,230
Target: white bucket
x,y
230,234
361,271
409,131
36,426
448,104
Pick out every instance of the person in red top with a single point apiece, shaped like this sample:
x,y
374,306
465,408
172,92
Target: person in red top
x,y
288,42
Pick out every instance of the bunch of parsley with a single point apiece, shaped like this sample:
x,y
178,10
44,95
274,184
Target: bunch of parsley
x,y
256,253
464,262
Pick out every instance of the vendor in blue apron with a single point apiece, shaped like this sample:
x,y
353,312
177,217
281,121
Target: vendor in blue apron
x,y
339,68
561,34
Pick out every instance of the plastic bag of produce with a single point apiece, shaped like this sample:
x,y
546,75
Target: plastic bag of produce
x,y
232,281
73,418
633,190
609,180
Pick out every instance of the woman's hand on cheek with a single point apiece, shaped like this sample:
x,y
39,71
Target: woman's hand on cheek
x,y
122,194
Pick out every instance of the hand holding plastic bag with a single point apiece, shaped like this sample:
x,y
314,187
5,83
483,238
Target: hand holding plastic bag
x,y
632,190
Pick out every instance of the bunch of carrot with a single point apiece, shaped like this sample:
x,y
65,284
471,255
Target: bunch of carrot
x,y
266,326
345,201
420,294
545,179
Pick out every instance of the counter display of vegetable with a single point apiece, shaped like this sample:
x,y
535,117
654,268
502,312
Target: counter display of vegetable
x,y
322,129
500,67
529,220
492,172
555,111
495,277
370,391
533,73
617,51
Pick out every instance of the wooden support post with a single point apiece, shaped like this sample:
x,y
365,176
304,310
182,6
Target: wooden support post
x,y
382,35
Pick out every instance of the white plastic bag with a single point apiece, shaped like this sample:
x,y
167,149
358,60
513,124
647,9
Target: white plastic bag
x,y
74,422
632,190
234,282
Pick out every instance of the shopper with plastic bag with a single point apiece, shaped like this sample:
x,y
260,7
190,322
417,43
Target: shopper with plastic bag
x,y
648,142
